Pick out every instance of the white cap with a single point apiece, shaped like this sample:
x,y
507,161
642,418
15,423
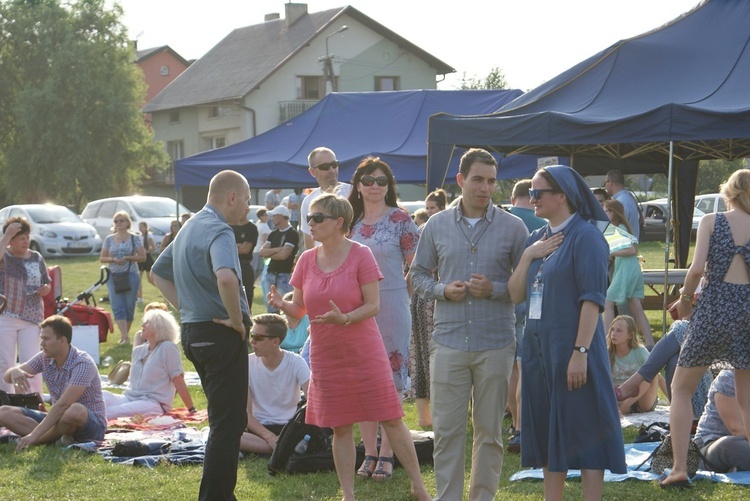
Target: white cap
x,y
279,210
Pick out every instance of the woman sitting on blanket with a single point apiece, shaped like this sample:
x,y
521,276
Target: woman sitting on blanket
x,y
626,356
155,373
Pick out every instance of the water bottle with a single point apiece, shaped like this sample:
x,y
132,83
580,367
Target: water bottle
x,y
301,447
107,361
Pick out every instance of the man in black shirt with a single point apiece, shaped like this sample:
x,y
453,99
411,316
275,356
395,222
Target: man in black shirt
x,y
281,247
246,236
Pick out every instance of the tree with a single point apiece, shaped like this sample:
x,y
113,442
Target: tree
x,y
70,122
494,80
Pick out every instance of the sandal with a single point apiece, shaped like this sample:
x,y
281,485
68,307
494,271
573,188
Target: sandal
x,y
383,475
364,470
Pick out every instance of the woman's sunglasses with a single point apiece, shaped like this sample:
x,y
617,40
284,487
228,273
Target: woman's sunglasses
x,y
536,194
326,166
369,180
319,217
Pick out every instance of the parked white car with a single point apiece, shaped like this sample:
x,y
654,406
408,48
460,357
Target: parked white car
x,y
56,230
158,212
713,202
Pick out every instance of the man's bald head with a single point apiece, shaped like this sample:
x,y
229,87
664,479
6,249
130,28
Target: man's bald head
x,y
225,182
229,193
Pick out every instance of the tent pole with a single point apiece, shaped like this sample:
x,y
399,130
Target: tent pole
x,y
668,234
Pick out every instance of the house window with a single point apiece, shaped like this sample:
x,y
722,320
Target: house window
x,y
218,142
175,149
311,87
386,83
214,111
164,70
174,117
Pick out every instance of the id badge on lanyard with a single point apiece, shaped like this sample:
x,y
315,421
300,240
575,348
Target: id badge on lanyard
x,y
535,304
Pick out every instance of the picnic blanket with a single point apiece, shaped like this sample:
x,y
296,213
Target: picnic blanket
x,y
635,454
658,415
176,418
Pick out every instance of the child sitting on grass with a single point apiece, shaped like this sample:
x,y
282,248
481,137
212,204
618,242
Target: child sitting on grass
x,y
627,355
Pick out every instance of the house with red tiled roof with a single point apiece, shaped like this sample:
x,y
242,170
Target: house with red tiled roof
x,y
262,75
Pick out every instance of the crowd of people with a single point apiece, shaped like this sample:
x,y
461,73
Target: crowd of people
x,y
471,307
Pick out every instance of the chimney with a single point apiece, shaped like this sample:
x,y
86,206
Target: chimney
x,y
294,11
272,17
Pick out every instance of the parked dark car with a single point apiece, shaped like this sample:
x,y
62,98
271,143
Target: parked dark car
x,y
655,228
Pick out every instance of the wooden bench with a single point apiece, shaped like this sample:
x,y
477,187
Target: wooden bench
x,y
655,277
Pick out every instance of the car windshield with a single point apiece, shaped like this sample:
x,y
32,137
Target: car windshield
x,y
53,214
157,208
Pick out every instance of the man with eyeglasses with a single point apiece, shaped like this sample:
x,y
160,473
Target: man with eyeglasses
x,y
275,379
474,247
200,274
324,167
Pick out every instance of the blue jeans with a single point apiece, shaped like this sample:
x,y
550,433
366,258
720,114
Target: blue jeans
x,y
220,358
280,281
92,430
123,303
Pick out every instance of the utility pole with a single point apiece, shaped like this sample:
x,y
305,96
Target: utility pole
x,y
328,63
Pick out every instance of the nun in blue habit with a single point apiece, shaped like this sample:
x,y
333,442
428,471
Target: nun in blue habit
x,y
570,418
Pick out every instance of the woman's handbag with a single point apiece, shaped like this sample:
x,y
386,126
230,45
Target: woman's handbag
x,y
121,279
120,373
662,457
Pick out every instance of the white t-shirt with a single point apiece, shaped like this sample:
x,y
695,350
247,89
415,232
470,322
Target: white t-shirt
x,y
276,393
263,232
342,190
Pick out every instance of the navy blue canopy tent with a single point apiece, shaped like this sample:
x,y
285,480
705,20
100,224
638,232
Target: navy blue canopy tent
x,y
658,102
391,125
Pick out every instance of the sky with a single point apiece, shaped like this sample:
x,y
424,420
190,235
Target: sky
x,y
531,41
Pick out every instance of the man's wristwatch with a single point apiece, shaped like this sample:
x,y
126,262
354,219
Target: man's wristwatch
x,y
581,349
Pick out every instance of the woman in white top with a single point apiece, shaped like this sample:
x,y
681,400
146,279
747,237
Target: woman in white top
x,y
156,371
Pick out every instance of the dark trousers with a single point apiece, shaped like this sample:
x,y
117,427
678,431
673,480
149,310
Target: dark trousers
x,y
220,358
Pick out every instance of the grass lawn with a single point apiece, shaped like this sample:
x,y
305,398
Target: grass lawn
x,y
51,472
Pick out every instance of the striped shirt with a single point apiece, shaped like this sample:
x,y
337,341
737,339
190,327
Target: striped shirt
x,y
492,247
79,370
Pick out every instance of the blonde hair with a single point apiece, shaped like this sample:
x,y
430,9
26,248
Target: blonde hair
x,y
164,325
420,216
123,214
736,190
633,341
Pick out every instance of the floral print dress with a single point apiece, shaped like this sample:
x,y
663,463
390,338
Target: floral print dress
x,y
392,239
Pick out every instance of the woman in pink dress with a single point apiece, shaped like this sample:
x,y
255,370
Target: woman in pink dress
x,y
336,284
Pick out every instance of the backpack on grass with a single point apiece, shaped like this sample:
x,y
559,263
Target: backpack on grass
x,y
319,455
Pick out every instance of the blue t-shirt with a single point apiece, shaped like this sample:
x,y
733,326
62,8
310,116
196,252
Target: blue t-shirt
x,y
711,427
199,250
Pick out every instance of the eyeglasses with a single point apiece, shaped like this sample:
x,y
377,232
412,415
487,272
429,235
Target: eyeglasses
x,y
537,194
369,180
259,337
120,221
329,165
319,217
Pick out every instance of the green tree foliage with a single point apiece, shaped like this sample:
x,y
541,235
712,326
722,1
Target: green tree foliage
x,y
494,80
70,123
712,173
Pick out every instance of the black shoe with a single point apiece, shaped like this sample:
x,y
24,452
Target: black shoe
x,y
9,439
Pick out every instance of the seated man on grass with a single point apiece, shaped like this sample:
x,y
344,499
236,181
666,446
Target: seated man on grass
x,y
276,378
78,413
